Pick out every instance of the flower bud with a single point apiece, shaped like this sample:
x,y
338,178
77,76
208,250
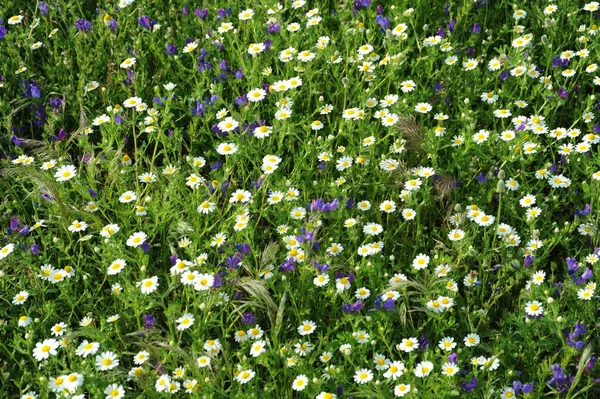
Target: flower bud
x,y
500,188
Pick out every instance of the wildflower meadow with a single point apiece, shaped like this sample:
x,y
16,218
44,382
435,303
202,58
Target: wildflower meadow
x,y
299,199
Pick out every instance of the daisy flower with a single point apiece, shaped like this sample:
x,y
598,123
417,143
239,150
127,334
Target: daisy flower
x,y
141,357
227,148
64,173
447,344
244,376
420,262
203,361
408,345
423,108
585,294
534,308
395,369
132,102
470,64
44,349
24,321
456,235
258,348
300,383
114,391
136,239
128,63
190,47
307,327
77,226
450,369
185,322
6,250
321,280
256,95
472,340
363,376
148,285
87,348
106,361
401,390
423,369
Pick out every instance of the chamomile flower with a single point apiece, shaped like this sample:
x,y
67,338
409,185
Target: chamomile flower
x,y
401,389
148,285
45,349
65,173
6,250
300,383
362,376
321,280
136,239
185,322
423,369
420,262
227,148
449,369
408,345
244,376
258,348
447,344
534,308
141,357
106,361
472,340
585,294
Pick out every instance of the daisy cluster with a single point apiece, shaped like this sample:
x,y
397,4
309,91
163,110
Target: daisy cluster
x,y
285,199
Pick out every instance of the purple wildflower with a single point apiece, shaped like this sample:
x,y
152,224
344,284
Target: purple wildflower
x,y
352,307
201,13
382,21
586,210
149,321
19,142
82,25
469,386
248,318
43,8
171,49
563,93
